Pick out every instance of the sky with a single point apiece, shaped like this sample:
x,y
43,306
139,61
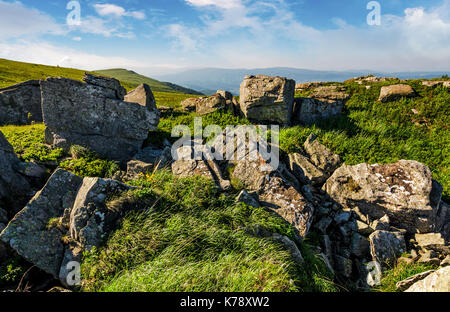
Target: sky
x,y
164,36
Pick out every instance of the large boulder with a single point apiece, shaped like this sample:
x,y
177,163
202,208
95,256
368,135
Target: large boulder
x,y
21,104
94,115
396,92
13,185
438,281
404,191
69,215
142,95
267,99
324,102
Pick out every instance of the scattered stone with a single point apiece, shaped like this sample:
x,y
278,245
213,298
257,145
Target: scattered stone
x,y
21,104
32,170
207,105
385,246
267,99
363,228
438,281
249,199
432,84
396,92
360,246
94,115
343,266
305,171
142,95
445,262
404,191
429,257
406,283
428,240
321,156
290,246
137,167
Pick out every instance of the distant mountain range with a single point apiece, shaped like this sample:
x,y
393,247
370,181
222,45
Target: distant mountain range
x,y
208,80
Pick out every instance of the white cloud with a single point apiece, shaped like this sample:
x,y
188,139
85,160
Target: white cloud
x,y
49,54
225,4
117,11
17,20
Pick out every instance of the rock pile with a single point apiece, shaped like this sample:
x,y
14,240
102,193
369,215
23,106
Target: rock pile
x,y
95,115
69,215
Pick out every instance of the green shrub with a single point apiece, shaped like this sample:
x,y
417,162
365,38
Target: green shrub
x,y
91,167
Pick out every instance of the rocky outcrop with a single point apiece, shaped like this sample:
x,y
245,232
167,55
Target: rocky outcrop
x,y
142,95
267,99
13,185
309,85
371,79
406,283
396,92
69,215
321,156
403,191
94,115
433,84
438,281
21,104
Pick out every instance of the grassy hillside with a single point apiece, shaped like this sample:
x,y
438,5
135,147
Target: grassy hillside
x,y
133,79
12,72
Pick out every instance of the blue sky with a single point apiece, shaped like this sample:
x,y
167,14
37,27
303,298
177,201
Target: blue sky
x,y
160,36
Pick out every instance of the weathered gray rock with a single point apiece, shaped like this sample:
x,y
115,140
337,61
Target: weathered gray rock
x,y
30,234
343,266
249,199
305,171
90,220
94,115
207,105
68,214
385,246
325,102
406,283
276,192
404,191
267,99
185,166
360,246
432,84
21,104
290,246
13,186
321,156
429,240
396,92
110,84
438,281
137,167
142,95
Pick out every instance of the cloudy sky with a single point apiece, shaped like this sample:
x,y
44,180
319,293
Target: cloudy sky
x,y
156,36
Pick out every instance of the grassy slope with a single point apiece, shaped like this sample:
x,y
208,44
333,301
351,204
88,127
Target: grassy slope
x,y
135,79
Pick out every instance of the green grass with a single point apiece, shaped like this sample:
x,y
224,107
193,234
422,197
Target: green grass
x,y
192,238
399,273
29,143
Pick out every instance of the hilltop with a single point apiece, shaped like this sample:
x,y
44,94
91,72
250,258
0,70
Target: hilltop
x,y
134,79
13,72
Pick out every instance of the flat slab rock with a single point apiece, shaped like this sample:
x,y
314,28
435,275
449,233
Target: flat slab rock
x,y
67,206
94,115
404,191
438,281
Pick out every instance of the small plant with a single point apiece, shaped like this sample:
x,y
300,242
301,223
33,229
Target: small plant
x,y
78,152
